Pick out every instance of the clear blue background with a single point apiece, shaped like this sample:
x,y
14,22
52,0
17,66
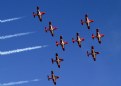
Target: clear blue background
x,y
77,69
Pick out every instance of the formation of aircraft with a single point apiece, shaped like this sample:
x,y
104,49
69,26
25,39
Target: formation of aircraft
x,y
53,77
62,43
39,14
57,60
78,39
98,36
87,21
51,28
93,53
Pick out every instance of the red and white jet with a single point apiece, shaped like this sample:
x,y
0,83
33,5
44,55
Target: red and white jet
x,y
98,36
39,14
62,43
87,21
53,77
57,60
93,53
51,29
78,39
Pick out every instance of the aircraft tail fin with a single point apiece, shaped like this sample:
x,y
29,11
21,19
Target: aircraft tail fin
x,y
82,22
34,14
93,36
73,40
48,77
87,53
45,29
57,43
52,61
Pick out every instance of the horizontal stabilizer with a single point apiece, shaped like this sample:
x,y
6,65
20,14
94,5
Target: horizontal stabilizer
x,y
82,22
93,36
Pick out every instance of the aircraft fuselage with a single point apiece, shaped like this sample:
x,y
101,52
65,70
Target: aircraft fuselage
x,y
93,53
98,36
62,43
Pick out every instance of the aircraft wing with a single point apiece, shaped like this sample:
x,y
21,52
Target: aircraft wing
x,y
56,54
88,25
54,81
77,34
97,52
94,59
97,31
86,16
52,32
50,23
58,65
42,13
37,8
61,37
61,59
40,17
55,28
56,77
79,44
92,47
65,42
52,72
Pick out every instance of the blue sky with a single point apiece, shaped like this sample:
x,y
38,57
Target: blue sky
x,y
77,69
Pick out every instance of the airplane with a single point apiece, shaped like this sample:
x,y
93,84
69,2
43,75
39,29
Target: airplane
x,y
98,36
53,77
51,29
93,53
57,60
39,14
78,39
87,21
62,43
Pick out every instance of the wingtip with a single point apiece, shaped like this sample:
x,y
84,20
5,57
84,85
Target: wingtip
x,y
86,15
58,66
56,54
63,49
80,46
92,47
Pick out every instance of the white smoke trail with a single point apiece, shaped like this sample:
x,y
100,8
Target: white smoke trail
x,y
8,20
18,82
15,35
35,80
21,50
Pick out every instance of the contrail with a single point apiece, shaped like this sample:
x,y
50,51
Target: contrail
x,y
19,82
15,35
21,50
8,20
